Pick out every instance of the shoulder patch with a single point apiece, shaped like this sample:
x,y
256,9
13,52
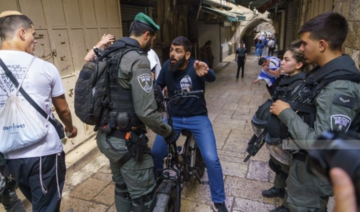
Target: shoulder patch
x,y
340,122
344,100
145,82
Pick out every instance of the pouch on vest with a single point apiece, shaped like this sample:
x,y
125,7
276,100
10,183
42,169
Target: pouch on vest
x,y
123,121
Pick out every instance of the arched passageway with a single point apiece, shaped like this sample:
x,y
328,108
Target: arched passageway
x,y
252,29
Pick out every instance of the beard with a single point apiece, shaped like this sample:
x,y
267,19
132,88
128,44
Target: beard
x,y
147,46
179,63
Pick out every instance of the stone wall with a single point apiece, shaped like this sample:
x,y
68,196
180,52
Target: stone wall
x,y
350,9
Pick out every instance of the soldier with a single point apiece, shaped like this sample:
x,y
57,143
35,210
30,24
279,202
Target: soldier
x,y
293,66
133,90
336,104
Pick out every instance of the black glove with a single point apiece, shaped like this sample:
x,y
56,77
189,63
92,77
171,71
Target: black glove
x,y
159,98
172,137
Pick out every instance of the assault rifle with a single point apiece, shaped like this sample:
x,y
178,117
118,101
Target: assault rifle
x,y
255,144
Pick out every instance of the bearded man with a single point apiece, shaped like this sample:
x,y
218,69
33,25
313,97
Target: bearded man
x,y
182,73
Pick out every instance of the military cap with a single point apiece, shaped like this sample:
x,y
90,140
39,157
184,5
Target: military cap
x,y
9,12
142,18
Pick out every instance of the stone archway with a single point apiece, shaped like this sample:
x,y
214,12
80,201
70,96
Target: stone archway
x,y
248,33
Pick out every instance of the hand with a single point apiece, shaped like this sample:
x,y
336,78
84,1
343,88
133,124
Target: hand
x,y
172,137
345,198
73,132
256,81
106,40
278,106
201,68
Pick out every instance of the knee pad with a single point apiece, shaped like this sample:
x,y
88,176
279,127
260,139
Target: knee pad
x,y
274,167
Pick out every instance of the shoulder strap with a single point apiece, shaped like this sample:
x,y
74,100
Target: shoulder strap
x,y
341,74
289,90
23,92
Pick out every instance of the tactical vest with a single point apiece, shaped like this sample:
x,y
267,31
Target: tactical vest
x,y
119,112
287,91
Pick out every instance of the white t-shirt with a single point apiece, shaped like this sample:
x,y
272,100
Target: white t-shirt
x,y
271,44
42,82
154,62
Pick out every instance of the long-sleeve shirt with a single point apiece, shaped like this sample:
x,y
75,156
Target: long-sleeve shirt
x,y
183,79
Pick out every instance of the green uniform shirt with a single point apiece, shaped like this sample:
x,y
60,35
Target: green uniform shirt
x,y
135,74
330,113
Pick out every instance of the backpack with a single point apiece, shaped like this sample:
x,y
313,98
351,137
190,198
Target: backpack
x,y
92,86
20,127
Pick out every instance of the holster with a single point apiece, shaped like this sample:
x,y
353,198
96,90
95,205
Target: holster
x,y
137,145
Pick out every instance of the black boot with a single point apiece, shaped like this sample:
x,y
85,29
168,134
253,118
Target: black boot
x,y
280,209
274,192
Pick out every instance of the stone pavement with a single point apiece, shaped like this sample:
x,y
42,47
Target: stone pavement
x,y
231,103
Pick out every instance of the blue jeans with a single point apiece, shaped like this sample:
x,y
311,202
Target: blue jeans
x,y
201,128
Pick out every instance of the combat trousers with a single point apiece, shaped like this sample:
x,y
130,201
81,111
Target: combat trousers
x,y
135,178
281,172
305,192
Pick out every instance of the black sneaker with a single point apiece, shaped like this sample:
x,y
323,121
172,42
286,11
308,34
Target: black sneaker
x,y
280,209
274,192
220,207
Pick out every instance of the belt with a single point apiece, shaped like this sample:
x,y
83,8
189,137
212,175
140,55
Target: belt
x,y
122,134
301,156
118,134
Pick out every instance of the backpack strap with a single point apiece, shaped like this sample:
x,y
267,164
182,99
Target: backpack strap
x,y
341,74
7,72
26,96
291,90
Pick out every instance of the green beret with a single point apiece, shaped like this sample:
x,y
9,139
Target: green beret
x,y
141,17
